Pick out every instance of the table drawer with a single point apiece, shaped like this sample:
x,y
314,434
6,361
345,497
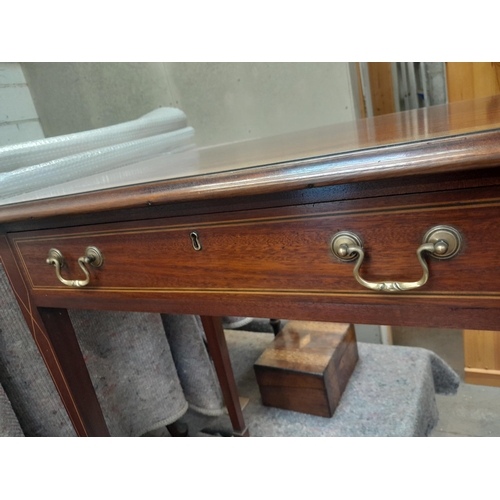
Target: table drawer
x,y
283,253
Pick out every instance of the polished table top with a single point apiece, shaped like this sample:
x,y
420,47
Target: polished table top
x,y
428,140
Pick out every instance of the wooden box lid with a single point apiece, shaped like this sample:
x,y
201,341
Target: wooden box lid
x,y
305,346
307,367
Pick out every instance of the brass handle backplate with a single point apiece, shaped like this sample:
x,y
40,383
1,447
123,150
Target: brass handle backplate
x,y
92,257
441,242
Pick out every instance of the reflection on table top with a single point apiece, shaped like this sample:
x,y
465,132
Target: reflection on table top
x,y
324,155
408,126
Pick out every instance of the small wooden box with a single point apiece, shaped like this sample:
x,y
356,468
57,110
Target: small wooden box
x,y
307,367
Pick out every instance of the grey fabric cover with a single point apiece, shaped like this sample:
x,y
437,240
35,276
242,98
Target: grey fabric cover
x,y
130,364
196,372
23,375
9,425
390,393
132,370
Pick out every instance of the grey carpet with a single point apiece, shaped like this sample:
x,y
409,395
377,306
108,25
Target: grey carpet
x,y
391,393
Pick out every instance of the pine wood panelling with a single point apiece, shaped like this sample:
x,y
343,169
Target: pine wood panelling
x,y
470,80
467,80
381,88
482,357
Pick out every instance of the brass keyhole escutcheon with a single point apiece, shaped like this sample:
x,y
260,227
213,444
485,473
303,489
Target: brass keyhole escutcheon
x,y
195,240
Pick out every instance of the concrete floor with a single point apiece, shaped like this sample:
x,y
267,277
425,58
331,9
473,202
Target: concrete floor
x,y
475,409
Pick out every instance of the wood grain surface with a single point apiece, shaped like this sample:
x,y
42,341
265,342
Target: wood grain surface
x,y
239,254
482,357
265,212
472,80
381,88
476,356
448,138
310,284
381,188
216,342
307,367
58,346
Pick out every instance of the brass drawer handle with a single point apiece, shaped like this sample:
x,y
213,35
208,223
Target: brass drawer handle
x,y
92,257
441,242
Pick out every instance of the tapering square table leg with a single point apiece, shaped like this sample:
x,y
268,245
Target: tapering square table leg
x,y
220,355
55,338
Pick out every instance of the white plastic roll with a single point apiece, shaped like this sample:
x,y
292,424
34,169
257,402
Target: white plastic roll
x,y
60,170
25,154
170,165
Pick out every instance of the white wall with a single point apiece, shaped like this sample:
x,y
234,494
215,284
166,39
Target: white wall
x,y
223,101
232,101
18,116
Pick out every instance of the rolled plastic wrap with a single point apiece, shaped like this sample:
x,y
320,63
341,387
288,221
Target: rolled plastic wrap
x,y
152,169
25,154
87,163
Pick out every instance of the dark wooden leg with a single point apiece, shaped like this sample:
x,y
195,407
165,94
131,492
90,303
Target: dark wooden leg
x,y
65,347
220,355
276,325
56,340
178,429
